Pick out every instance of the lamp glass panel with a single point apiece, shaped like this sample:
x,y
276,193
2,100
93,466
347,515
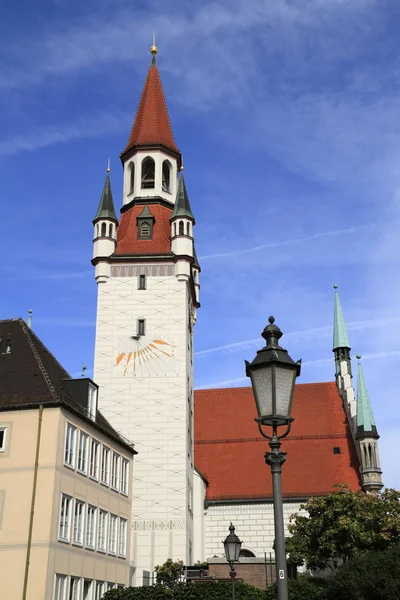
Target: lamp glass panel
x,y
232,550
261,380
284,379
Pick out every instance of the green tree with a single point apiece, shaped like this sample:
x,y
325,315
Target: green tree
x,y
170,573
342,525
302,588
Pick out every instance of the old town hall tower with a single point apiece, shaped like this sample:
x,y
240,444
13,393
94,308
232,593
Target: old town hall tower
x,y
148,293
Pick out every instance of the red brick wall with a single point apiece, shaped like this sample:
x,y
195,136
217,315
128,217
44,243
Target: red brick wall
x,y
258,574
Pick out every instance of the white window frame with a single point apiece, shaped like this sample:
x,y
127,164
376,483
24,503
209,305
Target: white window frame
x,y
122,536
70,445
112,529
99,590
82,465
3,443
63,590
115,471
94,466
77,595
90,581
124,481
78,540
91,527
64,528
102,531
92,401
105,468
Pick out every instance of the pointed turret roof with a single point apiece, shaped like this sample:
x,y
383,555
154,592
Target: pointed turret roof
x,y
195,259
106,208
365,417
340,339
182,204
152,126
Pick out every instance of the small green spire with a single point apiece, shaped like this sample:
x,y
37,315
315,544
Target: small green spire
x,y
340,339
182,205
195,259
365,417
106,208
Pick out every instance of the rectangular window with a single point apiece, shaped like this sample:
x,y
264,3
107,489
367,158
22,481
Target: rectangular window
x,y
90,527
112,534
115,471
94,459
3,431
92,402
74,589
142,282
79,522
124,476
70,436
87,590
82,452
141,327
105,465
60,587
122,537
102,532
99,590
65,518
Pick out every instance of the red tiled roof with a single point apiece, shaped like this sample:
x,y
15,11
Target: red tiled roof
x,y
127,236
152,125
229,449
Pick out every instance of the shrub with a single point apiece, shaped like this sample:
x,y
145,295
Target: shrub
x,y
182,591
302,588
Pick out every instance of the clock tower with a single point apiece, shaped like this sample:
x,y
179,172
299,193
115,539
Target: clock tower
x,y
148,293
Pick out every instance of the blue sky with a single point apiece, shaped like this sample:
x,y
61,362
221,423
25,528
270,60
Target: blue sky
x,y
287,114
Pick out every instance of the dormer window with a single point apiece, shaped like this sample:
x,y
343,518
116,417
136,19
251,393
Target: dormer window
x,y
145,222
92,401
148,173
145,230
166,176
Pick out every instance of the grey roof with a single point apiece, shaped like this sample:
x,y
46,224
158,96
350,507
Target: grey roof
x,y
106,208
31,376
182,204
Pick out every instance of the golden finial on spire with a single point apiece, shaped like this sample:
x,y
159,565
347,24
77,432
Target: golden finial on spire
x,y
108,166
154,49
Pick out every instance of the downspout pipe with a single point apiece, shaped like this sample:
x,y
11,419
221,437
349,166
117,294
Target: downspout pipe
x,y
33,501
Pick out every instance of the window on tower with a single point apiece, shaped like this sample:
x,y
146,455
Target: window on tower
x,y
141,327
148,170
103,230
110,230
145,230
142,282
181,228
131,177
166,176
187,228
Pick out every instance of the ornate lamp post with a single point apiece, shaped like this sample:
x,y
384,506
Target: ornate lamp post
x,y
232,546
273,374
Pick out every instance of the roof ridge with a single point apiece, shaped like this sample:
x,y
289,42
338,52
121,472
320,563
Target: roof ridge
x,y
39,361
248,387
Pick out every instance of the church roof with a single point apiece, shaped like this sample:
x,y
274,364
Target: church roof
x,y
127,236
31,376
152,126
230,451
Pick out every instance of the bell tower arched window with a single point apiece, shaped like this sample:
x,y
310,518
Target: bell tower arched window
x,y
166,176
131,177
148,171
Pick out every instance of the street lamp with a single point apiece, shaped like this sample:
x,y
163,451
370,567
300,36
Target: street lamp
x,y
273,374
232,546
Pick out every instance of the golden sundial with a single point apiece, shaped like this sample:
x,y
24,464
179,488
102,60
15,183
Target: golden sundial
x,y
139,355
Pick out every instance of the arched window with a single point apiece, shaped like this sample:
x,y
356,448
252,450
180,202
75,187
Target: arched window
x,y
188,228
166,176
246,553
110,231
195,276
131,177
103,230
148,170
174,228
145,229
181,230
97,230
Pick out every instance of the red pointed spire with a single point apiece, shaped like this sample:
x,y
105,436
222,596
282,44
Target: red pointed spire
x,y
152,126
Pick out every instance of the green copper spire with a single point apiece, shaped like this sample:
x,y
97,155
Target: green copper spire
x,y
340,339
365,417
195,259
182,205
106,208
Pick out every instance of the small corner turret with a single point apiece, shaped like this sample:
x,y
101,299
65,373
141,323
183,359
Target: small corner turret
x,y
182,222
367,437
105,232
341,349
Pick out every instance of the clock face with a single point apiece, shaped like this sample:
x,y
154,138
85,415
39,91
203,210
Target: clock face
x,y
145,356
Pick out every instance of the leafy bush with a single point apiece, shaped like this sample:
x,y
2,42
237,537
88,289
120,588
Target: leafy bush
x,y
371,576
182,591
302,588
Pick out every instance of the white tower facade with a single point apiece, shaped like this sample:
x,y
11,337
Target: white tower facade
x,y
147,302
